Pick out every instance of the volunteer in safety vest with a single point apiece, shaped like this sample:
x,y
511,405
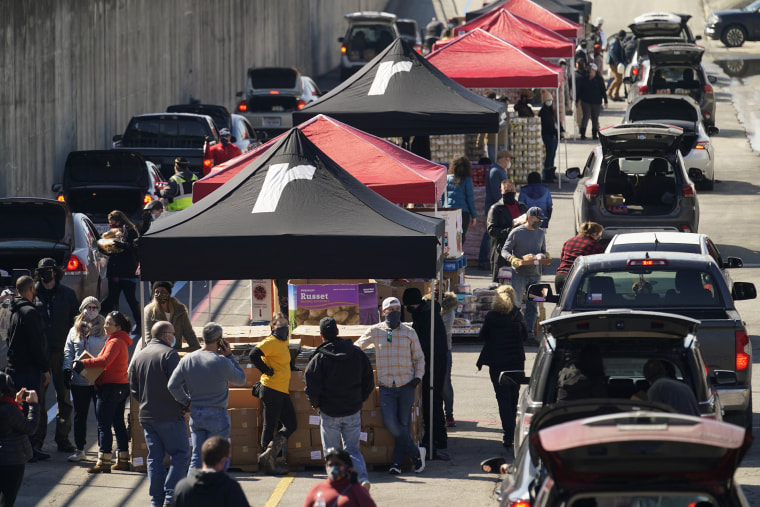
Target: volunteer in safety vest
x,y
180,190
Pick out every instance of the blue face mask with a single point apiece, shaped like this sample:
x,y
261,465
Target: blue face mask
x,y
393,319
337,473
174,342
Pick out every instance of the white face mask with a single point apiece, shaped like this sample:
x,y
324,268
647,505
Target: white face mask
x,y
549,103
90,314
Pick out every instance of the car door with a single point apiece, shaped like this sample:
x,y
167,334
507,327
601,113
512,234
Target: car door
x,y
579,199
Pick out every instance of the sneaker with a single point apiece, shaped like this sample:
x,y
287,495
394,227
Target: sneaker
x,y
366,485
38,455
66,446
419,463
78,455
450,422
395,469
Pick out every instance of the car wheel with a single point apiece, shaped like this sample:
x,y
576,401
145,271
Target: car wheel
x,y
733,36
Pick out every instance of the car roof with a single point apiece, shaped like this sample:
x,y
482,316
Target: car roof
x,y
686,238
371,16
617,260
622,323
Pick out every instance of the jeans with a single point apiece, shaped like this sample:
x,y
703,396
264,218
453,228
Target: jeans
x,y
165,437
206,422
521,282
590,111
448,389
396,408
506,397
109,409
278,409
346,429
83,396
115,287
550,143
62,396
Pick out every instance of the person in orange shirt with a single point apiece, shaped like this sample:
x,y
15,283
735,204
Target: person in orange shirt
x,y
225,150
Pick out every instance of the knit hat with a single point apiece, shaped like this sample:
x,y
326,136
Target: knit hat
x,y
89,300
412,296
47,262
166,285
328,328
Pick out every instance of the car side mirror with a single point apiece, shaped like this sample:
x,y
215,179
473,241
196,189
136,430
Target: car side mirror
x,y
724,378
712,78
542,292
743,290
733,262
341,39
57,187
697,37
117,138
712,130
695,174
573,173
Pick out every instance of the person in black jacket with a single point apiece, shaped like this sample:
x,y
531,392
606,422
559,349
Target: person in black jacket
x,y
122,268
19,414
28,361
420,311
592,93
59,306
500,221
503,333
338,380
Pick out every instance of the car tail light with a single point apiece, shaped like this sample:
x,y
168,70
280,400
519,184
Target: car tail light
x,y
634,71
519,503
60,198
688,190
526,424
643,89
343,49
300,104
207,165
242,107
685,228
147,199
75,265
591,190
708,88
743,351
274,92
647,262
418,48
702,145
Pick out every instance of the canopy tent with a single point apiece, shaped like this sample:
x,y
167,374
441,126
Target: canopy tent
x,y
534,12
292,213
396,174
398,93
479,59
523,33
566,11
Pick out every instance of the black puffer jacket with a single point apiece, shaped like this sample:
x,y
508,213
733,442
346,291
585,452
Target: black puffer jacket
x,y
15,428
421,324
58,308
503,335
499,223
339,378
27,343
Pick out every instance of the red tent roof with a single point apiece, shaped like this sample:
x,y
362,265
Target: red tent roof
x,y
533,12
521,32
479,59
396,174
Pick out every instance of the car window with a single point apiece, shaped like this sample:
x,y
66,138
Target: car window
x,y
714,252
633,367
89,231
643,166
165,132
646,288
240,130
366,41
676,80
651,247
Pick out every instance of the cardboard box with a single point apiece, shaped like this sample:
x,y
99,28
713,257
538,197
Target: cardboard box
x,y
264,300
348,301
372,418
310,337
305,457
376,455
371,403
301,437
241,397
252,375
244,418
239,334
92,373
316,437
244,455
454,279
296,382
300,401
452,240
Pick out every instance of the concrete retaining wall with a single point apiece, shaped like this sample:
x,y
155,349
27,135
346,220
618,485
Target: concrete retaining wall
x,y
74,71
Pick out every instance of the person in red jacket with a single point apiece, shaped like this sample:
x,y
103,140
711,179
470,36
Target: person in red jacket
x,y
111,391
341,487
223,151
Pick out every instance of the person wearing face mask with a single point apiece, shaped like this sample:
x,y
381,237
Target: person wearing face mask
x,y
151,212
211,485
549,134
87,334
400,368
161,416
341,487
58,306
501,219
200,384
526,239
272,357
164,306
497,173
179,193
223,151
585,243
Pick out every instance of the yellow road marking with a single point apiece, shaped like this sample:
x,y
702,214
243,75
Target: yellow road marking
x,y
279,490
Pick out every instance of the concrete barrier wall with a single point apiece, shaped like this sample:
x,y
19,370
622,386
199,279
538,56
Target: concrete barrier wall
x,y
73,72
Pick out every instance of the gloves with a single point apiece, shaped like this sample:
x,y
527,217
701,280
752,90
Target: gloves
x,y
415,382
516,262
67,374
78,366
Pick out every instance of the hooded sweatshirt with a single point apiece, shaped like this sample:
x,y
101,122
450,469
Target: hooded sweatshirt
x,y
27,343
537,194
339,378
113,358
203,488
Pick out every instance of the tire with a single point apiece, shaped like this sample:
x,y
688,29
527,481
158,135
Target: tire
x,y
733,36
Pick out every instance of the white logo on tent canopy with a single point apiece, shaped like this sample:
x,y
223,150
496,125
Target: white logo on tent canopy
x,y
278,176
384,74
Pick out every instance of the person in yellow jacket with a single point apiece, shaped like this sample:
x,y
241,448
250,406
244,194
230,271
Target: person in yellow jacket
x,y
180,190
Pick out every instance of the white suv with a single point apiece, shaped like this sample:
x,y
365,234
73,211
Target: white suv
x,y
369,32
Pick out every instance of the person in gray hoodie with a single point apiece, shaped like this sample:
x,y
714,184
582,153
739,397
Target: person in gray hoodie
x,y
537,194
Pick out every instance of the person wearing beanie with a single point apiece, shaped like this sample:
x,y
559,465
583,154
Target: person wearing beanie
x,y
86,335
339,380
164,306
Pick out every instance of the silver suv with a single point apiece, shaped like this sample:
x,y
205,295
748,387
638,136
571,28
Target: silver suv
x,y
369,32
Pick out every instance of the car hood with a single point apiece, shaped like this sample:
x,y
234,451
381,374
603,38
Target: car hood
x,y
618,449
105,168
675,52
729,12
663,108
620,322
639,139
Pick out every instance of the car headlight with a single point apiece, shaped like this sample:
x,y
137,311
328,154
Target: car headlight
x,y
712,19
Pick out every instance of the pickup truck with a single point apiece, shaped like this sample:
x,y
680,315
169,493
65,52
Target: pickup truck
x,y
244,136
162,137
685,284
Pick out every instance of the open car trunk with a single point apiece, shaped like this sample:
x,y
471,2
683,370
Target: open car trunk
x,y
97,203
679,111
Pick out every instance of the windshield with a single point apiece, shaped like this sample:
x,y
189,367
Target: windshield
x,y
753,6
647,289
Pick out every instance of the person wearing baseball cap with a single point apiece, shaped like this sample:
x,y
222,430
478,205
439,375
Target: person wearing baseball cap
x,y
525,240
339,380
180,189
222,151
400,368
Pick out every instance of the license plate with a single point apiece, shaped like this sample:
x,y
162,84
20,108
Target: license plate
x,y
101,228
271,122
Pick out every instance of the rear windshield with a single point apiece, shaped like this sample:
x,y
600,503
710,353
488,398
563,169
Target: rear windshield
x,y
659,247
407,28
369,40
676,80
273,78
22,220
647,288
170,132
103,168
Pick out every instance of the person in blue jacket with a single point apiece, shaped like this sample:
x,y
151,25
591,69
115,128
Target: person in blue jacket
x,y
537,194
459,191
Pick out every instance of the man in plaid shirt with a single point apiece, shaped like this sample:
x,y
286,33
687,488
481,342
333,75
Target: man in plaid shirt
x,y
585,243
400,367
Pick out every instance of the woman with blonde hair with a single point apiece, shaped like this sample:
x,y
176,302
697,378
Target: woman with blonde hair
x,y
459,191
122,267
585,243
503,334
87,334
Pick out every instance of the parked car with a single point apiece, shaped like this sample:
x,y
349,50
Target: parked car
x,y
676,69
733,27
32,228
680,111
243,135
685,284
368,33
271,96
410,32
641,458
636,180
625,341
